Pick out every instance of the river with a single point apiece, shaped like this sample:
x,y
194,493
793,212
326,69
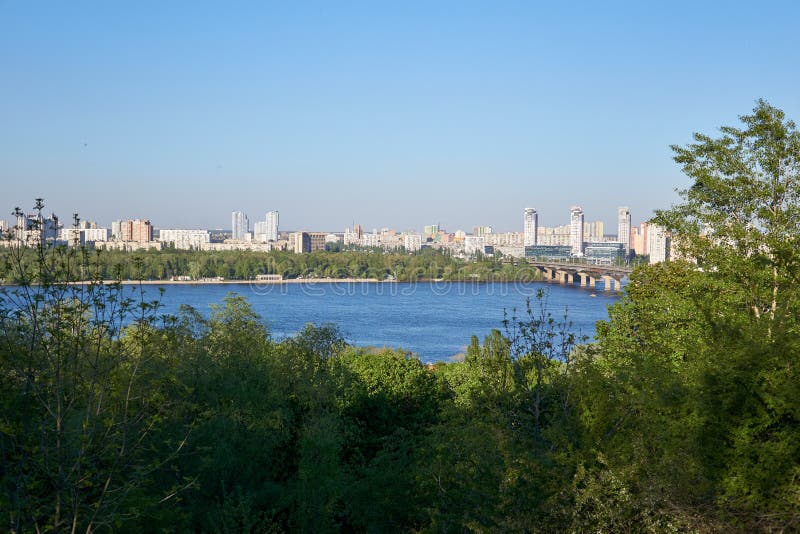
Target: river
x,y
432,319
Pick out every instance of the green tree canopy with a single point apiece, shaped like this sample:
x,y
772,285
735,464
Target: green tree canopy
x,y
740,217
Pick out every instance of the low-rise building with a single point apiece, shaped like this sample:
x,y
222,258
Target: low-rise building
x,y
604,252
72,237
549,252
244,245
93,234
510,251
82,236
371,240
129,246
317,240
474,245
505,239
185,239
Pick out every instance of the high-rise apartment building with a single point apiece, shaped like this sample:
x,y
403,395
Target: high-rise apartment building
x,y
636,241
430,230
350,237
576,230
513,239
639,239
22,227
593,231
300,242
658,243
266,230
353,237
371,240
136,230
35,228
318,240
73,237
272,226
260,232
531,227
624,228
412,242
558,235
240,226
116,230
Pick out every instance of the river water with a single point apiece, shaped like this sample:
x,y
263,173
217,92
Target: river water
x,y
432,319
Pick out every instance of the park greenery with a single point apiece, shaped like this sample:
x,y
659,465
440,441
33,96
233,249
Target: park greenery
x,y
683,415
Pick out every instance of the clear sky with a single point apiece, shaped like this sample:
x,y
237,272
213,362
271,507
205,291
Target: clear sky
x,y
393,114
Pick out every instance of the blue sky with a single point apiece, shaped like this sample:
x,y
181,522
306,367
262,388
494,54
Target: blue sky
x,y
393,114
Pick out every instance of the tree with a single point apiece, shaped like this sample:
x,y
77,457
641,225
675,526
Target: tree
x,y
83,395
542,348
693,397
741,216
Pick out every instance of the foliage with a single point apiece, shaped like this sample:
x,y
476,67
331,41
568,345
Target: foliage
x,y
694,401
84,397
682,416
246,265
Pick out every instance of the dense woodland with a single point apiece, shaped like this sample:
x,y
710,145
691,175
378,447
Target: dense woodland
x,y
681,416
246,265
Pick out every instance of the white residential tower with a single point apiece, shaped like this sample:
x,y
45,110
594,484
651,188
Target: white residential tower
x,y
576,230
531,227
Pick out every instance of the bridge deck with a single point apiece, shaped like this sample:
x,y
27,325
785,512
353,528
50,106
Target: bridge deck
x,y
599,270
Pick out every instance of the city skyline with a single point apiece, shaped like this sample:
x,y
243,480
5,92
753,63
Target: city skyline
x,y
578,239
395,114
240,224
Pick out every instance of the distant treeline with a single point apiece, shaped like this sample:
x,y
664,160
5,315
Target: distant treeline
x,y
246,265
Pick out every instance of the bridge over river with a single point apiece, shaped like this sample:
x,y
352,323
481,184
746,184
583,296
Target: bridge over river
x,y
587,275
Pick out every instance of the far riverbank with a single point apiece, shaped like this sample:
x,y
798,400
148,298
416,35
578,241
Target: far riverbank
x,y
203,282
212,281
182,267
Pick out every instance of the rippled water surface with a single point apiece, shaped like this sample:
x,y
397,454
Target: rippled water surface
x,y
434,320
